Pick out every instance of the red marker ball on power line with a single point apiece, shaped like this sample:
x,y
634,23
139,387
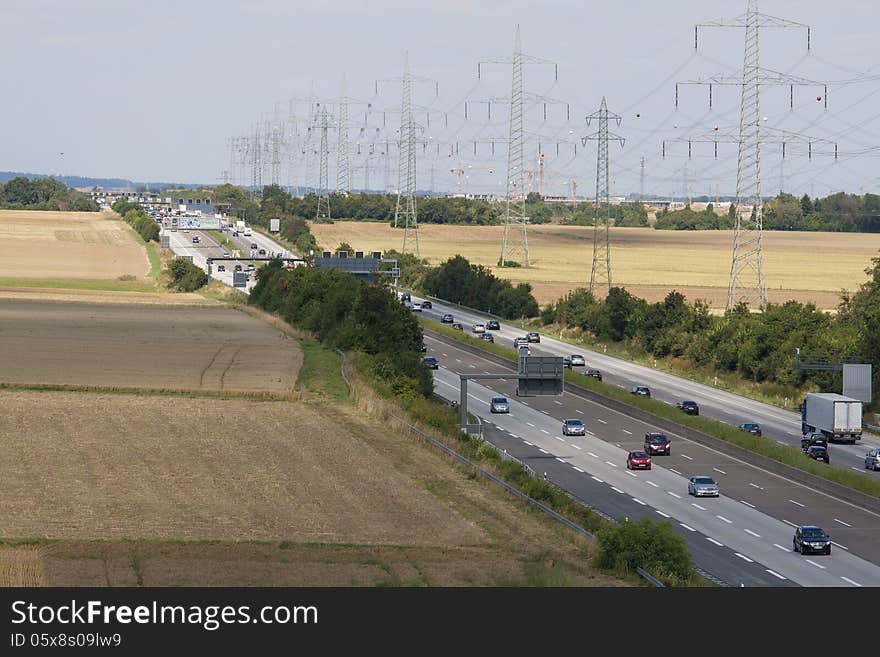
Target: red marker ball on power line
x,y
818,98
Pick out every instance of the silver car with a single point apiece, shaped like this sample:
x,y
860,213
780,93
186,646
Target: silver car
x,y
499,405
573,427
577,360
702,486
872,460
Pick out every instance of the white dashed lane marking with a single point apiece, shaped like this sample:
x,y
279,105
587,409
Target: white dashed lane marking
x,y
701,508
723,519
749,531
528,443
721,471
627,432
685,456
602,421
596,479
639,501
578,469
712,540
818,565
847,579
690,529
662,514
798,503
676,495
613,465
744,557
775,574
617,490
747,504
651,483
777,545
845,524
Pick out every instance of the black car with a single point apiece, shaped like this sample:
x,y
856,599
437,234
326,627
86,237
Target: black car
x,y
487,337
533,336
431,362
818,453
457,326
811,539
427,305
446,319
752,427
493,325
657,443
811,439
689,407
596,374
423,348
644,391
405,297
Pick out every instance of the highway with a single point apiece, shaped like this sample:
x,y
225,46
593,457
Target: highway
x,y
777,424
181,243
742,537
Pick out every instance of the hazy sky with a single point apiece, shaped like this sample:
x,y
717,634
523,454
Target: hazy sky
x,y
154,90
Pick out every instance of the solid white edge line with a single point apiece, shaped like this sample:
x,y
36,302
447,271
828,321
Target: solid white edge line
x,y
744,557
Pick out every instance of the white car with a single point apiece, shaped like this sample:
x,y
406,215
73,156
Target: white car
x,y
417,306
479,328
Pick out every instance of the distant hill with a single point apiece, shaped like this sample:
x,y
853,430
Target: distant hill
x,y
106,183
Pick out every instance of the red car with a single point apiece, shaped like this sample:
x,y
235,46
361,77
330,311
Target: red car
x,y
638,460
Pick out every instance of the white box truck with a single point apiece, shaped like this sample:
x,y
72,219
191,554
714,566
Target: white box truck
x,y
837,417
247,231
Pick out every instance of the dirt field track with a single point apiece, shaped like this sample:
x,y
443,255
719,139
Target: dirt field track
x,y
647,262
68,245
143,346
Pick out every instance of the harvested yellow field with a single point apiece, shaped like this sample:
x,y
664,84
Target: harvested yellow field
x,y
68,245
808,267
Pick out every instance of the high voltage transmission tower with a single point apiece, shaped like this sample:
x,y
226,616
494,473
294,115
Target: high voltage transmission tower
x,y
343,159
255,153
405,212
323,189
600,275
515,242
747,283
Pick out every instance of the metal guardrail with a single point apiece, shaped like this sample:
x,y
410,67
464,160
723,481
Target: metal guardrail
x,y
342,368
514,491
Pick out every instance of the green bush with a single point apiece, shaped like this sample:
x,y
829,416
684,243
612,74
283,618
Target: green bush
x,y
645,543
186,276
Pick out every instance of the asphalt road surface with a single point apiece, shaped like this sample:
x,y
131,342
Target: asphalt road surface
x,y
751,523
777,424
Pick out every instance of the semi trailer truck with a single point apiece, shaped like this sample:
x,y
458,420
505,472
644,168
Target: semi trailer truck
x,y
836,417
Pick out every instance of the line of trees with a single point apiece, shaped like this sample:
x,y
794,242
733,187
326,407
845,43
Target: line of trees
x,y
757,346
22,193
459,281
349,314
137,218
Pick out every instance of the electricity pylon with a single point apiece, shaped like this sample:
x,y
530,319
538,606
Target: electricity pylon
x,y
343,160
323,190
601,271
515,242
406,210
747,282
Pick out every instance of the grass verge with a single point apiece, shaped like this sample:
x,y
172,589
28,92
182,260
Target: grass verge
x,y
320,373
791,456
155,263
